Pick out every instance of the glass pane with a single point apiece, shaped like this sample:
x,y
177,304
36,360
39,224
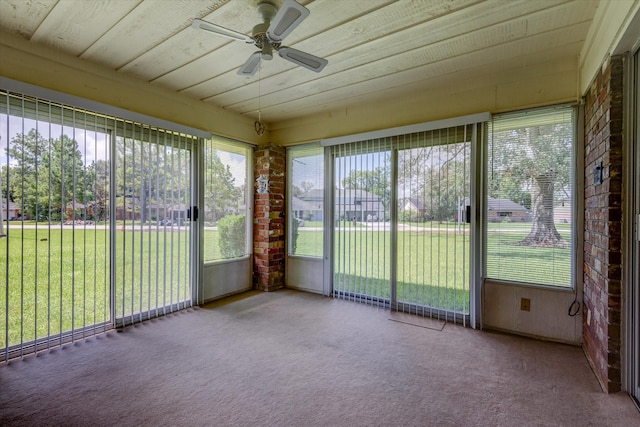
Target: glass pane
x,y
530,197
433,236
226,193
54,187
362,231
306,201
153,197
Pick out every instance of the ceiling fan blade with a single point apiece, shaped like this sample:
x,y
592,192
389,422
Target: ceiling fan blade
x,y
289,16
303,59
250,67
199,24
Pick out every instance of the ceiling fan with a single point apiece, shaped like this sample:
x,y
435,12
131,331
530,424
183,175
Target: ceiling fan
x,y
268,36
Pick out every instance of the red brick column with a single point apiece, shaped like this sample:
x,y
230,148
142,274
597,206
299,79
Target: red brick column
x,y
603,232
268,222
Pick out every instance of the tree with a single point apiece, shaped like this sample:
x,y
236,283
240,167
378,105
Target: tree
x,y
375,181
151,176
24,184
436,175
98,173
306,186
537,160
44,174
220,192
66,173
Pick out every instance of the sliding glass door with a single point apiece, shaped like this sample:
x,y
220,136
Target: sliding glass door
x,y
151,222
401,234
96,223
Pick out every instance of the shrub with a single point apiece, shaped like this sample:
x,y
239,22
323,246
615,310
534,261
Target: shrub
x,y
232,236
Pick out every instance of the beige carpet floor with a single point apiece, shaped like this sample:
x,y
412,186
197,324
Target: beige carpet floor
x,y
294,359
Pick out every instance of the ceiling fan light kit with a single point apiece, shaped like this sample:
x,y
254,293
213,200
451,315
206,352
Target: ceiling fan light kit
x,y
268,36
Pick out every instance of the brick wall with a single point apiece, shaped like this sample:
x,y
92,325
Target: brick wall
x,y
602,238
268,222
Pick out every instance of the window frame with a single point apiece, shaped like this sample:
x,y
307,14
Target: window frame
x,y
234,147
577,211
309,148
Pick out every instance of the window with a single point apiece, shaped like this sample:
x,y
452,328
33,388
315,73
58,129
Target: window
x,y
99,232
226,199
306,200
530,187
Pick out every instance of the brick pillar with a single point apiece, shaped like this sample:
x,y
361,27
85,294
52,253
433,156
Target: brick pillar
x,y
268,222
603,234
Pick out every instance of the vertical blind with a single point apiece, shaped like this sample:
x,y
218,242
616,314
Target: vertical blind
x,y
96,230
362,211
152,242
401,237
530,204
433,235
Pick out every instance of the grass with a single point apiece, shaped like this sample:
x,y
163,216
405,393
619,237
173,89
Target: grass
x,y
433,264
432,268
58,279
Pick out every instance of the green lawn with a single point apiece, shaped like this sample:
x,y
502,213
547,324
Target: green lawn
x,y
432,270
433,264
52,274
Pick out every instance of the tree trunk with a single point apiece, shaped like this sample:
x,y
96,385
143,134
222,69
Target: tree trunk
x,y
543,230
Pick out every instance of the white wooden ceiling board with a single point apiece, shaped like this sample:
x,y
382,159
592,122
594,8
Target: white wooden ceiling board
x,y
190,46
460,82
461,46
419,36
73,26
235,54
410,91
354,32
377,49
23,17
143,28
493,55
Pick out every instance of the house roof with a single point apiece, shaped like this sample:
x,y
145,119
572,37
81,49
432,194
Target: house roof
x,y
341,194
417,203
301,205
504,205
12,206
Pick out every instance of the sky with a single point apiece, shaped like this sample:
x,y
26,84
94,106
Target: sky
x,y
93,145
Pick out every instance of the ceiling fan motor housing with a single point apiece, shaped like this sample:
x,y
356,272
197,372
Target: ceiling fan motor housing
x,y
259,35
267,11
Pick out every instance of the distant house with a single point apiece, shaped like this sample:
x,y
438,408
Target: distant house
x,y
11,212
75,210
359,205
413,205
500,209
305,210
349,204
127,208
309,205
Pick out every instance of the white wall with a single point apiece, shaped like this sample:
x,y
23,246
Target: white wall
x,y
226,278
305,274
547,318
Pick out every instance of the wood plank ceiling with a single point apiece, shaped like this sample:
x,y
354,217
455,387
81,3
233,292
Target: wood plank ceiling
x,y
377,48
